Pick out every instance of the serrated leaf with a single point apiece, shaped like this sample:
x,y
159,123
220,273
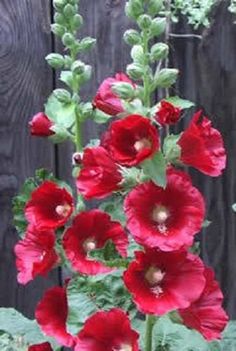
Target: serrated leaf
x,y
181,103
60,113
114,207
155,168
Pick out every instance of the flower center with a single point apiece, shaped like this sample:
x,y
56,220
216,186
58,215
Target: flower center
x,y
123,347
154,276
89,245
63,210
160,215
142,144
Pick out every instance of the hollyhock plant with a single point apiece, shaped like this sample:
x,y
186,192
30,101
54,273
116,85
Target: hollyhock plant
x,y
51,314
167,114
106,100
40,125
35,254
160,281
206,314
202,146
106,331
165,218
50,206
41,347
92,230
99,175
131,140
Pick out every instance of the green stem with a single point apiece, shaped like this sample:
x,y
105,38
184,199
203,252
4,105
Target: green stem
x,y
148,335
78,133
146,80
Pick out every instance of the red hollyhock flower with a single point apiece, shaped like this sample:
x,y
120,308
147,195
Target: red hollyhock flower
x,y
51,315
167,113
99,176
41,347
35,254
206,314
106,100
106,331
165,218
202,146
40,125
164,281
49,207
131,140
92,230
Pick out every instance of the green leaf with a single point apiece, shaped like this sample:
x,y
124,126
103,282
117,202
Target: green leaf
x,y
228,342
14,323
155,168
100,117
62,114
61,134
114,207
181,103
171,149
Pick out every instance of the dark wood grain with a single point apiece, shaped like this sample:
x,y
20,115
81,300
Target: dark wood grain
x,y
25,81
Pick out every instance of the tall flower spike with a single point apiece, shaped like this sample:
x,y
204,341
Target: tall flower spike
x,y
161,282
50,206
92,230
165,218
106,331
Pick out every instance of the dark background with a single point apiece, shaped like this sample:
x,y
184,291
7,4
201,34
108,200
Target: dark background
x,y
208,77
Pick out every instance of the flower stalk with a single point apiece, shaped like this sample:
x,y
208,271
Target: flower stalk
x,y
150,321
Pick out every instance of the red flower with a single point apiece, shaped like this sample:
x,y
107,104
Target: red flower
x,y
164,281
41,347
51,315
165,218
35,254
40,125
106,331
202,146
49,207
99,176
168,113
92,230
106,100
206,314
131,140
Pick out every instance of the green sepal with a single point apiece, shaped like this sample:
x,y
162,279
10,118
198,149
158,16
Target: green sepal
x,y
132,37
124,90
154,7
157,27
159,51
87,43
137,54
156,168
100,117
181,103
55,60
61,134
165,78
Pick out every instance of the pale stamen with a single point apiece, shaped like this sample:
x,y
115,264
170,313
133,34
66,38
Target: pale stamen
x,y
42,255
123,347
160,215
154,276
142,144
63,210
89,245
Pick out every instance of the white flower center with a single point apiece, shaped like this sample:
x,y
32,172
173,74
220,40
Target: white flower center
x,y
142,144
89,245
154,275
160,215
63,210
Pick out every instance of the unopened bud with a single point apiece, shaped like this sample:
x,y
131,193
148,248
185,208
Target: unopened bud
x,y
132,37
77,158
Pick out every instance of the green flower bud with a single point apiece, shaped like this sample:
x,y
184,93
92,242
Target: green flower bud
x,y
134,8
135,71
137,54
154,7
59,19
158,26
77,21
69,11
166,77
67,61
87,43
78,67
59,4
86,76
123,90
132,37
68,40
159,51
144,22
55,60
57,29
62,95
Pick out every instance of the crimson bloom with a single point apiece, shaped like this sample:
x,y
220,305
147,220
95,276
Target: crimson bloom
x,y
35,254
165,218
51,315
92,230
167,113
202,146
106,331
164,281
40,125
99,175
49,207
106,100
206,314
41,347
131,140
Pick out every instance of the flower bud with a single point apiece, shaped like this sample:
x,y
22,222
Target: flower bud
x,y
132,37
134,8
87,43
69,11
137,54
135,71
68,39
166,77
77,21
87,74
78,67
55,60
59,4
77,158
123,90
144,22
159,51
62,95
158,26
59,19
154,7
57,29
40,125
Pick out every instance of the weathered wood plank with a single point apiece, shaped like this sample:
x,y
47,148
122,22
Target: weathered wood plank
x,y
25,81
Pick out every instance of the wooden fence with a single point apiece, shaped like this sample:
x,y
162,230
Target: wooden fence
x,y
208,77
